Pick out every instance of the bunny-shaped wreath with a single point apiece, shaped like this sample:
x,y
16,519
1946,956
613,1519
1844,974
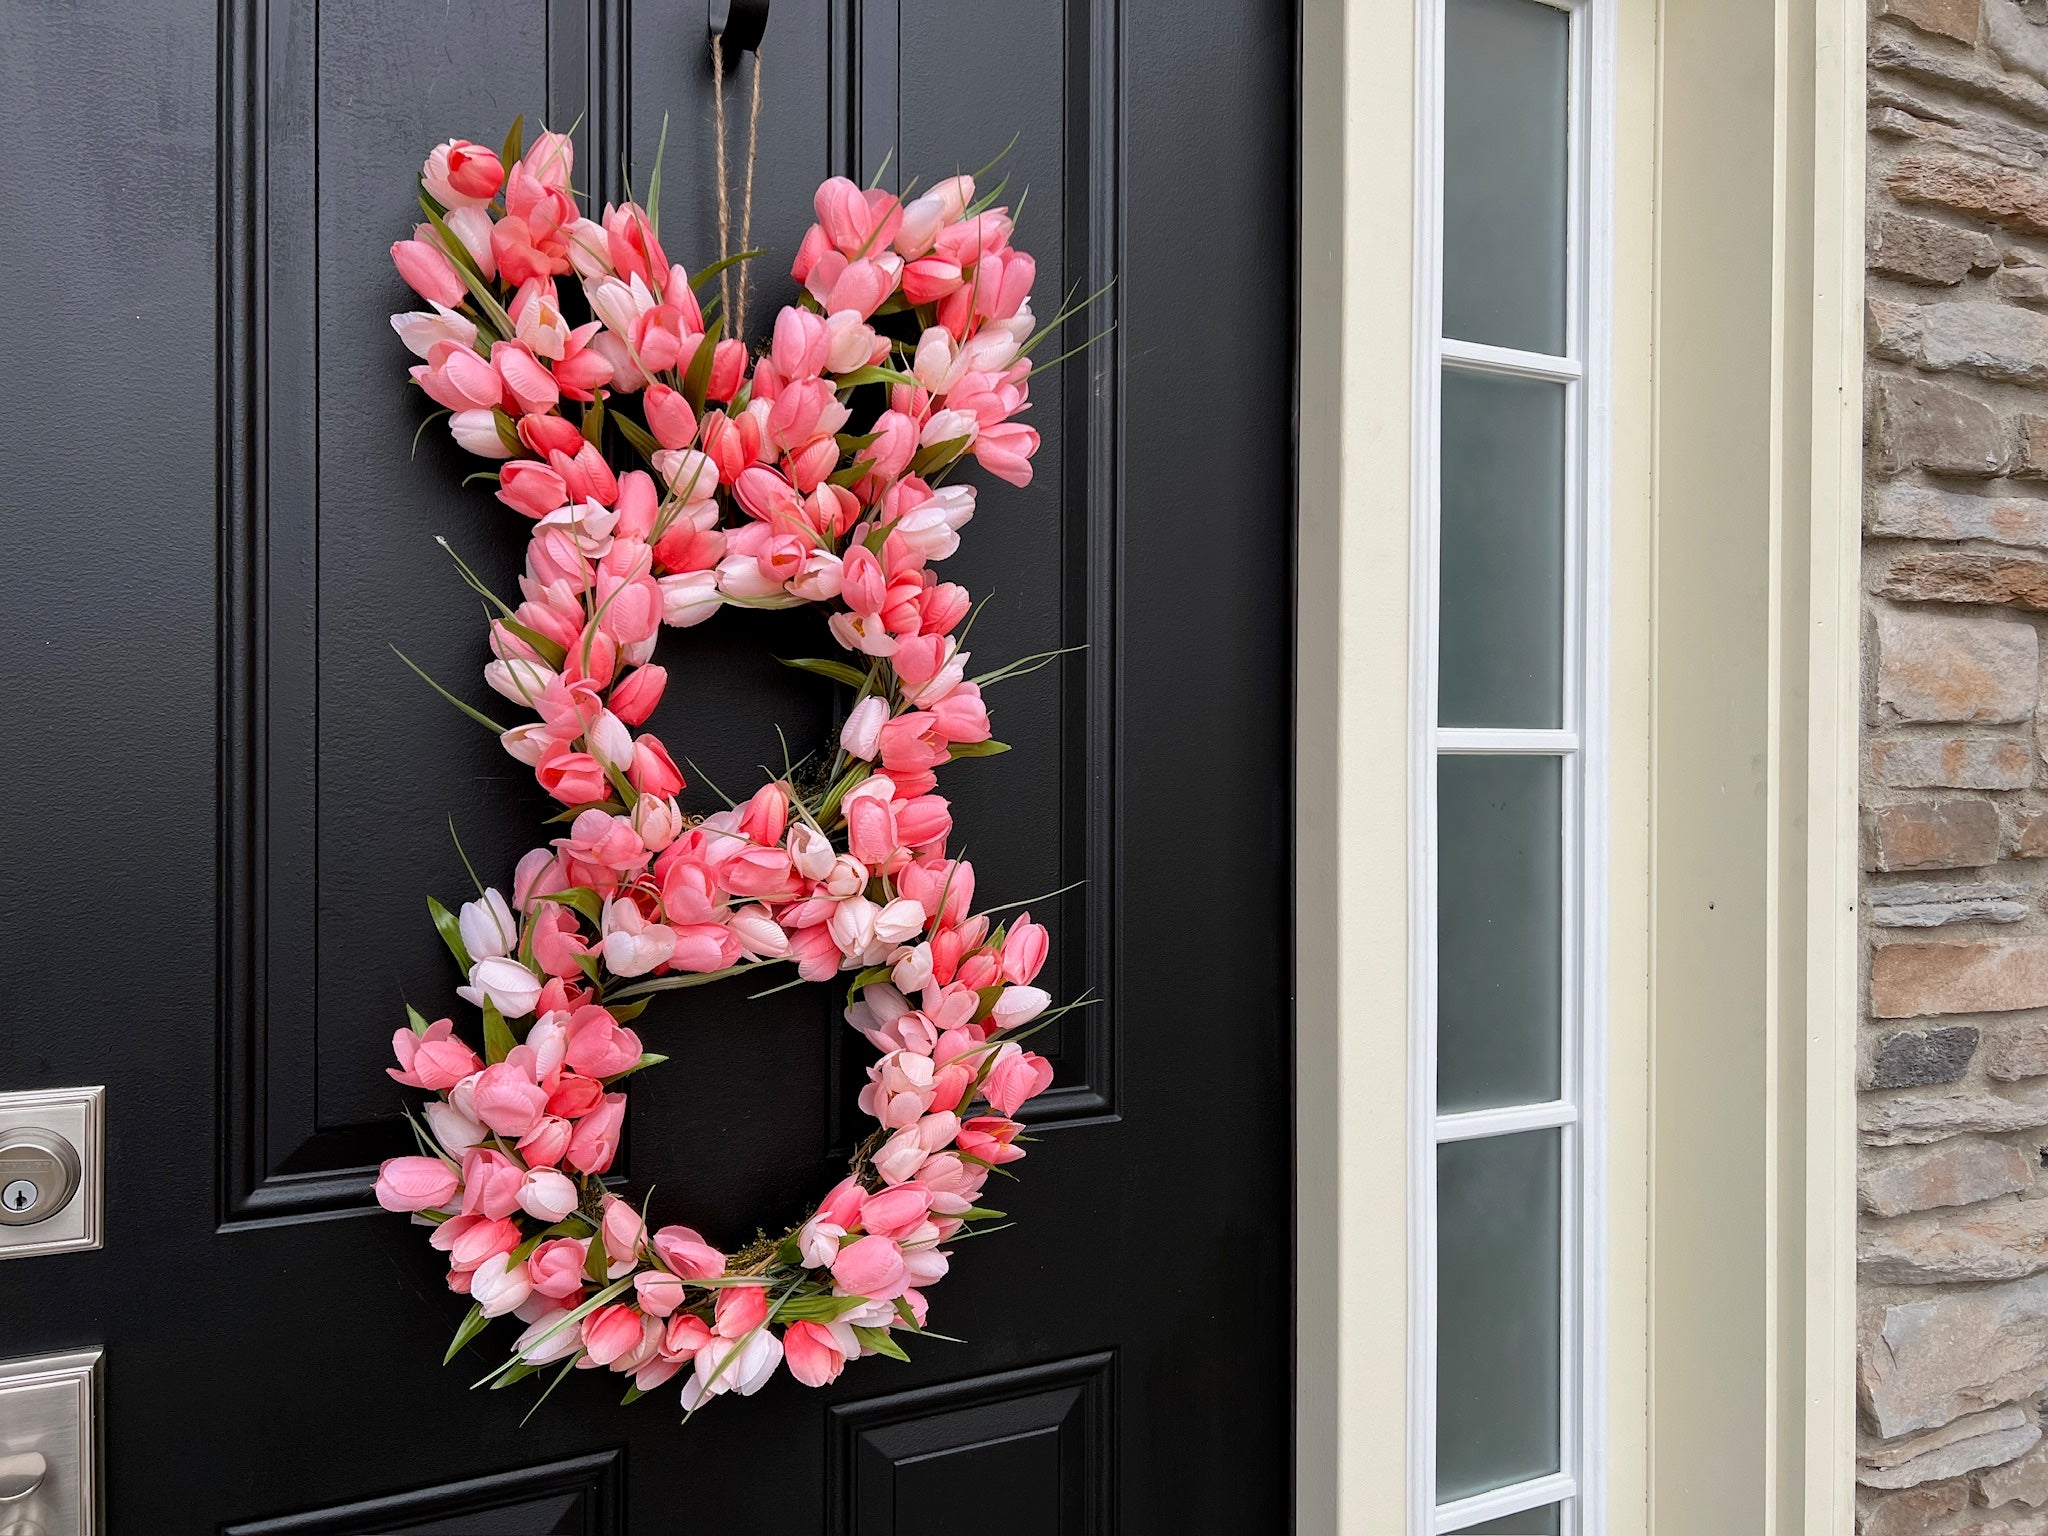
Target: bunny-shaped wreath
x,y
761,490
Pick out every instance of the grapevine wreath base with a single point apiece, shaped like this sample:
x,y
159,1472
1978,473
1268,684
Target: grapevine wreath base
x,y
813,474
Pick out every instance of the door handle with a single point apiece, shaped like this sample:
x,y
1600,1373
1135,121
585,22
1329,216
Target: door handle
x,y
21,1475
50,1445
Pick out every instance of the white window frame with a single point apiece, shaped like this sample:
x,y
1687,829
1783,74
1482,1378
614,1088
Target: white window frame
x,y
1581,746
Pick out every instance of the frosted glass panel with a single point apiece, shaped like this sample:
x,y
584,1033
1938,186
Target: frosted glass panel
x,y
1498,1373
1547,1521
1500,625
1499,899
1504,173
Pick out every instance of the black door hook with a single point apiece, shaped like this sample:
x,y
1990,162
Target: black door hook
x,y
738,24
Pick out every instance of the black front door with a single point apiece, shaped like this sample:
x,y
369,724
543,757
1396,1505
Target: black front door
x,y
226,796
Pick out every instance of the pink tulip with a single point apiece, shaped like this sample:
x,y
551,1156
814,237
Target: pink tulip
x,y
726,1365
574,778
1024,950
1017,1077
1018,1006
815,1353
634,698
454,376
459,173
530,487
654,772
894,1213
455,1131
989,1138
555,1268
469,1240
508,1101
498,1286
599,1046
416,1184
551,1336
687,1254
527,381
610,1331
658,1293
490,1184
596,1141
740,1310
509,986
436,1060
870,1267
429,272
546,1195
547,1143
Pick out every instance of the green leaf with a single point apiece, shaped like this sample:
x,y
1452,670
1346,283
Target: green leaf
x,y
880,1341
820,1309
553,652
477,715
633,1395
417,1019
991,748
654,202
699,279
472,279
609,807
515,142
937,456
518,1373
978,1213
866,978
451,934
472,1325
597,1260
508,431
698,379
582,898
593,418
874,375
838,671
698,979
625,1013
642,440
498,1040
647,1059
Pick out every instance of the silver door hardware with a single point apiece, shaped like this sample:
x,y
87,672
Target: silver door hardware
x,y
38,1175
49,1445
21,1475
52,1144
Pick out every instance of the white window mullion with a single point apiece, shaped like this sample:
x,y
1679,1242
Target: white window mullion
x,y
1500,404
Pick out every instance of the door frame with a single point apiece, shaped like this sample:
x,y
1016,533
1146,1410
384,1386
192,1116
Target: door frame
x,y
1737,475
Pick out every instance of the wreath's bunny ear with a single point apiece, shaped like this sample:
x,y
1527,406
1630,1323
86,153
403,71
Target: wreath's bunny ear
x,y
662,474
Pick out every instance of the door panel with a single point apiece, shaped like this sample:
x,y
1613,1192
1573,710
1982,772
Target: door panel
x,y
267,791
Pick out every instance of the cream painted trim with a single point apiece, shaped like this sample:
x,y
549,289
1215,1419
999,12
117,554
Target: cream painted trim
x,y
1827,1415
1738,250
1351,766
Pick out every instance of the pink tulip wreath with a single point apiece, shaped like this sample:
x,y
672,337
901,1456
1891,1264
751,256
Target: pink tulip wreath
x,y
760,489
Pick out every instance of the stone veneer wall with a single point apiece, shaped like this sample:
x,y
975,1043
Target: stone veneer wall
x,y
1953,1251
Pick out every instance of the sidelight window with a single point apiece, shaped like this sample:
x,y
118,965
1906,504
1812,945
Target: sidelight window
x,y
1509,732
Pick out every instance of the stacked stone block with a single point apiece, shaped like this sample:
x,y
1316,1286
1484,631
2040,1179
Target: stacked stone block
x,y
1953,1110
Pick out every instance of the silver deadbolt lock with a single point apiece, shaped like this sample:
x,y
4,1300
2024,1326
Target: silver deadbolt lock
x,y
39,1173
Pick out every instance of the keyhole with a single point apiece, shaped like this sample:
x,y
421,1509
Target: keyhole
x,y
20,1195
